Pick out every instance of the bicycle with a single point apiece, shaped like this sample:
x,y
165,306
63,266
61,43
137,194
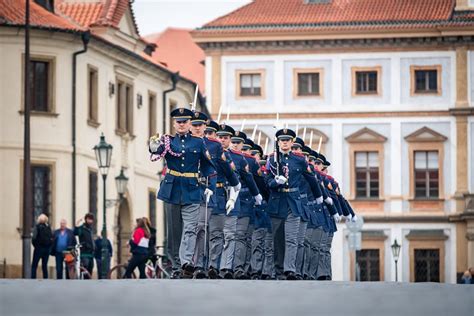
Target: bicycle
x,y
75,269
157,266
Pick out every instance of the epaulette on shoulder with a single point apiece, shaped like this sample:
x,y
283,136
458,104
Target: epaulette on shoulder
x,y
298,154
235,152
214,140
329,177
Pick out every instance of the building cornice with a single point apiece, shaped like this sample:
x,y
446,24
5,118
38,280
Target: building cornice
x,y
320,42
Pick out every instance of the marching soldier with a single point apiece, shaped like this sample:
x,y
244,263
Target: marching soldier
x,y
224,172
185,157
285,171
227,191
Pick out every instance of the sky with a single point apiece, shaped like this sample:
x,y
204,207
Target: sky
x,y
156,15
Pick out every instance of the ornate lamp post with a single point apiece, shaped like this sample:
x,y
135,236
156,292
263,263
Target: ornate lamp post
x,y
396,254
103,155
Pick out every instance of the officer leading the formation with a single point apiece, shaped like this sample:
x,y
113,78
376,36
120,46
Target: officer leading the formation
x,y
186,157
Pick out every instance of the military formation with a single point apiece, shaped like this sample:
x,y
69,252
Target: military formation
x,y
234,212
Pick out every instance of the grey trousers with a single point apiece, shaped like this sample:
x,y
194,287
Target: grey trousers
x,y
241,234
230,228
279,250
250,230
316,247
188,216
291,225
262,260
308,252
300,252
322,262
174,231
216,240
328,255
202,245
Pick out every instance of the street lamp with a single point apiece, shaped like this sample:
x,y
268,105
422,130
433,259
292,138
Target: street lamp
x,y
396,254
103,155
121,183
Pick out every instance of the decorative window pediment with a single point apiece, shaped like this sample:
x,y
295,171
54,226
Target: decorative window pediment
x,y
425,134
366,135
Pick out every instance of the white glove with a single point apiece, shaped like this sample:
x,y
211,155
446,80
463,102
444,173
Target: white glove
x,y
258,199
229,206
208,193
237,187
354,218
154,145
329,201
319,200
280,179
337,218
348,218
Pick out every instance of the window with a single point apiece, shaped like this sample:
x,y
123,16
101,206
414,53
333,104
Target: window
x,y
41,85
41,177
93,197
124,108
250,83
367,174
427,265
308,84
152,114
426,174
93,85
425,79
152,207
368,261
366,81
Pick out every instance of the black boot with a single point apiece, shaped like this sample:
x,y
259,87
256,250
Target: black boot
x,y
227,274
290,276
187,271
213,273
199,273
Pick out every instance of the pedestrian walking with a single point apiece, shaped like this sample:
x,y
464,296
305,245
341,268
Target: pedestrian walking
x,y
139,248
63,239
42,241
86,239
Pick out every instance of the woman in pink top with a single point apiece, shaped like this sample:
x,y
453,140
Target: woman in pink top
x,y
139,248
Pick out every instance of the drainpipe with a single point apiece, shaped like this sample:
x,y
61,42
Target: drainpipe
x,y
174,80
86,36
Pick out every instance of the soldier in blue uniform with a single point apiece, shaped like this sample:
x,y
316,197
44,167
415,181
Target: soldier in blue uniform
x,y
248,196
285,171
185,157
226,196
245,220
198,127
261,258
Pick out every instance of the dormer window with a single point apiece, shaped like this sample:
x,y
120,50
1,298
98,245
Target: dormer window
x,y
46,4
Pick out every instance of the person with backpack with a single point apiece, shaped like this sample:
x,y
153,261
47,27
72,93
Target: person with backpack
x,y
42,241
86,239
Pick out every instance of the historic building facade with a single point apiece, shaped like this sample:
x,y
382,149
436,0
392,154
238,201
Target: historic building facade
x,y
120,91
388,88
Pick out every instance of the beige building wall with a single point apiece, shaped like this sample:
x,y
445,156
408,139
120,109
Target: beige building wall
x,y
51,134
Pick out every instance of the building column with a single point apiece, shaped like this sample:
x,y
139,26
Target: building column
x,y
216,84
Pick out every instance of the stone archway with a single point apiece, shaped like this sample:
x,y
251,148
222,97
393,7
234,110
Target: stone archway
x,y
124,231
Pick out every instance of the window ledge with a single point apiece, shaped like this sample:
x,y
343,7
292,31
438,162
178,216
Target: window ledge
x,y
366,200
425,200
367,94
125,134
93,123
38,113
